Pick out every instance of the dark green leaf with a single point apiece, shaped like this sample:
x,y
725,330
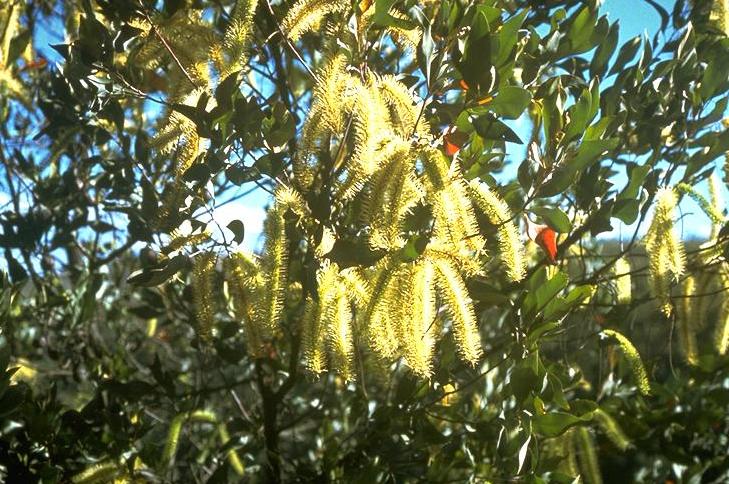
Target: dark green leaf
x,y
236,226
555,218
510,102
488,127
555,423
626,54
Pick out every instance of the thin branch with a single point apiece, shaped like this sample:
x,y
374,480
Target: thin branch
x,y
167,47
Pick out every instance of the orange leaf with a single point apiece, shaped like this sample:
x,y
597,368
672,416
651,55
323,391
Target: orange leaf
x,y
453,141
39,63
484,100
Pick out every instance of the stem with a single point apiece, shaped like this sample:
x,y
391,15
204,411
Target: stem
x,y
269,409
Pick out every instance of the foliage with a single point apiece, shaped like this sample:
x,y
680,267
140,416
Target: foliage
x,y
395,325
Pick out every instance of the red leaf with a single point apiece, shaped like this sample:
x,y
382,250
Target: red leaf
x,y
450,148
453,141
547,240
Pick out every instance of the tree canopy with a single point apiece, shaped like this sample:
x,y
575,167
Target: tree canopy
x,y
474,264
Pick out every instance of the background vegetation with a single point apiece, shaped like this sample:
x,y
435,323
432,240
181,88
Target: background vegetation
x,y
128,352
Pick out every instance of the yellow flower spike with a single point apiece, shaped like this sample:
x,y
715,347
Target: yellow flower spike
x,y
179,241
375,308
633,357
290,199
455,222
236,39
511,247
390,196
717,204
355,284
389,314
721,334
319,316
611,428
341,346
245,282
98,473
311,339
203,277
307,15
589,463
623,287
685,312
274,264
368,112
458,306
403,109
327,112
666,259
417,333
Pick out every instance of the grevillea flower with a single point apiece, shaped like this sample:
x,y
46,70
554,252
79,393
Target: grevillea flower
x,y
203,274
633,357
496,209
622,280
666,257
611,428
685,314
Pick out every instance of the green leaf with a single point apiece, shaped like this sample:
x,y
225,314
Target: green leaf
x,y
224,91
555,423
554,217
636,177
488,127
156,276
590,150
537,299
598,64
551,119
560,306
522,381
581,30
539,330
13,397
508,36
597,130
523,453
382,17
626,210
510,102
149,199
4,357
626,54
486,294
714,75
199,172
17,46
238,229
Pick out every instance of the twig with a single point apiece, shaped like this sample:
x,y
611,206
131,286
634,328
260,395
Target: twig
x,y
288,42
